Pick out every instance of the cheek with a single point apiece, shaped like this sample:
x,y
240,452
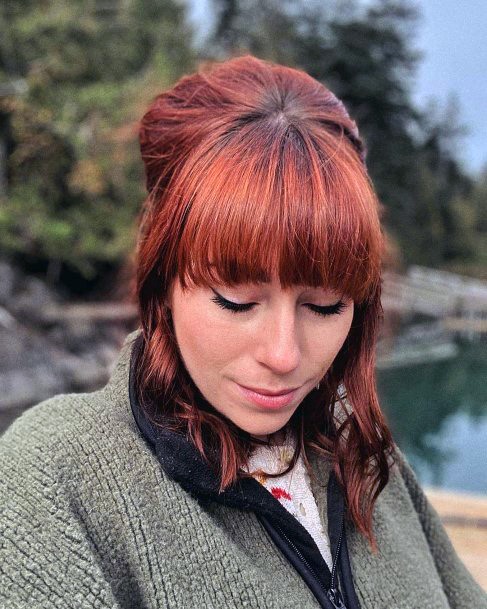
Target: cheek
x,y
328,341
206,344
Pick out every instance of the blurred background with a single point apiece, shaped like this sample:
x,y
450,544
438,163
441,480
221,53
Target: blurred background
x,y
75,77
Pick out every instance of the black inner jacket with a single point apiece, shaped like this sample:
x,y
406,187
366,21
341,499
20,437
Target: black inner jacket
x,y
182,462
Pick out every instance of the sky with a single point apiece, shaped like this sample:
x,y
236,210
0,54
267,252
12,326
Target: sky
x,y
452,36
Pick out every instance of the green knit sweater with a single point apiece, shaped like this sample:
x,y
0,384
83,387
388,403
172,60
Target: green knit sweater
x,y
89,519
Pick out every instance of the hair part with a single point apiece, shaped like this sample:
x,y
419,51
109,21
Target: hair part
x,y
252,169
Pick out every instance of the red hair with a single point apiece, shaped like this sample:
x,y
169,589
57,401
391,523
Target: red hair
x,y
254,168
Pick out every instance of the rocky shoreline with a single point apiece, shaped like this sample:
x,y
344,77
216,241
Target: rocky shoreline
x,y
40,358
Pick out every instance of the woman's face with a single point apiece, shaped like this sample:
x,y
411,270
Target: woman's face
x,y
279,340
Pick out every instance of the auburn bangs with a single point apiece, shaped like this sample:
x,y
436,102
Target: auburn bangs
x,y
271,199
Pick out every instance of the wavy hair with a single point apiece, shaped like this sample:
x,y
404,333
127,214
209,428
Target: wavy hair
x,y
254,168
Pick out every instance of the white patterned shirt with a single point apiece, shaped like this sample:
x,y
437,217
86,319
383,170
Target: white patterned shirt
x,y
293,490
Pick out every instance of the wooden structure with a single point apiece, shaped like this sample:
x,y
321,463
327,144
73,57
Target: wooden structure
x,y
460,302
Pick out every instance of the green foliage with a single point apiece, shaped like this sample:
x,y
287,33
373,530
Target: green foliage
x,y
74,175
470,214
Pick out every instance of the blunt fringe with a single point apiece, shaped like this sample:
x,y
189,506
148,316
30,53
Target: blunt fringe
x,y
254,168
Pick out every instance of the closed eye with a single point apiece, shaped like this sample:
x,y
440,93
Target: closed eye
x,y
234,307
334,309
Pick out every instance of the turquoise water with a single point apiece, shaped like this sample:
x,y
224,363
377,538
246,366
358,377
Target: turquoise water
x,y
438,415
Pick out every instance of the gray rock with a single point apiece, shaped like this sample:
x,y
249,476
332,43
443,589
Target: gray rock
x,y
31,298
7,282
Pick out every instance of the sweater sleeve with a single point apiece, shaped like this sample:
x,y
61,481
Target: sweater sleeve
x,y
461,589
46,557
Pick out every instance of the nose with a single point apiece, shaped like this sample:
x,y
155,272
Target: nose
x,y
278,345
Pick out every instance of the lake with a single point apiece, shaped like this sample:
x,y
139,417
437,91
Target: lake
x,y
438,415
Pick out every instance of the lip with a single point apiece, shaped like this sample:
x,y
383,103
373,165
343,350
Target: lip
x,y
268,392
267,400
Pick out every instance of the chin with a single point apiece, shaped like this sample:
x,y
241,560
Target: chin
x,y
264,430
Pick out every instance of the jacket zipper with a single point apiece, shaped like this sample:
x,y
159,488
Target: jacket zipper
x,y
333,593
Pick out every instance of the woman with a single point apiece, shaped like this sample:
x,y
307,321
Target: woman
x,y
238,456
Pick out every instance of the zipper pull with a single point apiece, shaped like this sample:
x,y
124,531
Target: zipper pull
x,y
336,598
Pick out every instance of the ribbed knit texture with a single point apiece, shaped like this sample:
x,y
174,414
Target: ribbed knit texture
x,y
292,490
88,519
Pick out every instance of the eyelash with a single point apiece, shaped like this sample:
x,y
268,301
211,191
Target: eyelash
x,y
234,307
